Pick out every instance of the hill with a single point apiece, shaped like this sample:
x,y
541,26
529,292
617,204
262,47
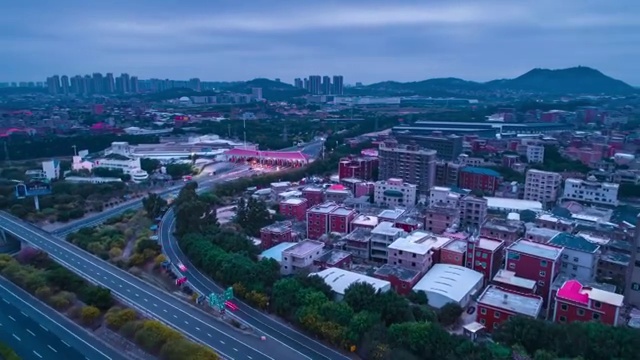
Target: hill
x,y
576,80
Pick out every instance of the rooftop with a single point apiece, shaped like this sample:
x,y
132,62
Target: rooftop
x,y
281,184
496,297
397,271
365,220
419,242
278,227
512,204
459,246
275,252
391,214
293,201
324,208
342,211
386,228
304,248
509,277
593,238
481,171
535,249
489,244
452,281
540,231
573,291
503,225
312,189
333,257
359,235
555,219
574,242
339,280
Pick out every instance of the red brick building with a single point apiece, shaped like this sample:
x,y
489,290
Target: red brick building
x,y
508,280
574,302
485,256
357,167
478,178
402,279
340,219
275,234
497,305
500,229
295,208
535,261
440,217
314,195
333,259
318,219
454,253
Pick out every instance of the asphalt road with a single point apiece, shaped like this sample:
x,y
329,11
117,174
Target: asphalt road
x,y
148,299
35,331
306,347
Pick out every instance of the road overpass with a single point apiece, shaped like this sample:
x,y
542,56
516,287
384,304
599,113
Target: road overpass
x,y
148,299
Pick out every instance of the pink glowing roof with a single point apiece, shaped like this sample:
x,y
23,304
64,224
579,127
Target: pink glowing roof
x,y
337,187
287,155
572,290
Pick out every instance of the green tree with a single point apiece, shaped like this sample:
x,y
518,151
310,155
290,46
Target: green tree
x,y
116,318
252,215
97,296
89,314
154,204
360,296
449,314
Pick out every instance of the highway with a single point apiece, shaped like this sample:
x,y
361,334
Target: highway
x,y
307,347
35,331
148,299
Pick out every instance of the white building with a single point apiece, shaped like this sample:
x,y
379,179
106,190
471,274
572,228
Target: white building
x,y
443,195
91,180
579,257
394,192
51,169
339,280
535,154
512,205
542,186
300,256
446,283
383,235
591,191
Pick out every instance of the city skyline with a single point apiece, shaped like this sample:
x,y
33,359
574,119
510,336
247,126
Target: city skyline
x,y
371,43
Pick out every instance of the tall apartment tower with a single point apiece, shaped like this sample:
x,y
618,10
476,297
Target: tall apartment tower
x,y
632,283
326,85
53,84
411,163
64,84
338,85
297,82
543,186
98,83
315,84
88,85
134,87
109,84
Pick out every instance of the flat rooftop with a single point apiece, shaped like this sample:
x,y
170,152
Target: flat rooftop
x,y
324,208
540,231
293,201
342,211
365,220
304,248
386,228
419,242
360,235
489,244
333,257
527,305
512,204
275,252
510,278
391,214
458,245
281,184
398,272
535,249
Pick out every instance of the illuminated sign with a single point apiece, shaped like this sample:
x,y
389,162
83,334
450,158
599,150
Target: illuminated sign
x,y
33,188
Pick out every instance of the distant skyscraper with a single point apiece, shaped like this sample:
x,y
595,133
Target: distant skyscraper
x,y
64,84
98,83
126,83
297,82
133,86
326,85
88,85
256,92
53,83
315,84
338,85
306,84
194,84
75,84
109,84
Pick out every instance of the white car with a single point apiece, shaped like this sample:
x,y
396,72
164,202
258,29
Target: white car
x,y
182,267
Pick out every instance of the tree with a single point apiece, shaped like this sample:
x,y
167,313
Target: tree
x,y
176,171
182,349
97,296
154,204
285,296
252,215
360,296
418,297
153,335
449,314
89,314
150,165
117,318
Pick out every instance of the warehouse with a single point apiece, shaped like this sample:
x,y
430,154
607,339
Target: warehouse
x,y
446,283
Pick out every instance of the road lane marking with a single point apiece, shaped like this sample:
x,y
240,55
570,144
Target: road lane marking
x,y
31,332
197,328
62,341
42,326
235,349
38,355
22,312
156,305
249,356
16,336
11,317
221,342
52,349
5,300
186,322
209,335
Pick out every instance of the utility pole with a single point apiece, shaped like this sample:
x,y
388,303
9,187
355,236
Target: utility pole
x,y
75,150
284,134
244,131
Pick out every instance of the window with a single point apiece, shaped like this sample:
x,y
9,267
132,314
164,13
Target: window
x,y
414,255
597,304
596,316
565,257
563,319
564,307
483,311
543,263
512,265
541,283
543,273
482,321
484,255
580,312
575,259
496,314
495,325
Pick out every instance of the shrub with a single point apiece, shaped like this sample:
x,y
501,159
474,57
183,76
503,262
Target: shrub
x,y
89,314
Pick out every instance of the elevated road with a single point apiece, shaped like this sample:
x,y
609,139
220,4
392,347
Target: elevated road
x,y
148,299
35,331
307,347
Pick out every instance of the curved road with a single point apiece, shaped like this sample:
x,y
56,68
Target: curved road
x,y
148,299
305,346
36,331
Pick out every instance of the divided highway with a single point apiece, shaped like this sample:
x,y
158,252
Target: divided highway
x,y
307,347
148,299
35,331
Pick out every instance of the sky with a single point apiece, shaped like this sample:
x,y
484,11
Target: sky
x,y
364,40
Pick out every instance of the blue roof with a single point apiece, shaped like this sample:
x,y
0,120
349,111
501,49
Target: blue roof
x,y
481,171
574,242
275,252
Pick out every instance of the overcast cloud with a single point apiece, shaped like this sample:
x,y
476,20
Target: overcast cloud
x,y
365,40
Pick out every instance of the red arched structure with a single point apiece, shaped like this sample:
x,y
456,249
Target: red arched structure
x,y
275,158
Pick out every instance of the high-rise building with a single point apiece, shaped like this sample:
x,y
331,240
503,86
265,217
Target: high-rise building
x,y
64,84
109,84
326,85
53,83
76,82
256,93
315,84
88,85
194,84
542,186
98,83
119,85
297,82
410,163
591,191
338,85
126,83
134,85
306,84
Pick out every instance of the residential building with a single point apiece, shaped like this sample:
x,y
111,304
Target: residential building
x,y
441,217
402,279
394,193
279,187
575,302
300,256
358,243
502,229
591,191
391,215
294,207
51,169
509,205
340,219
448,147
579,257
417,251
508,280
339,280
364,221
447,173
276,233
542,186
473,211
479,178
381,237
446,195
540,234
535,154
446,283
318,219
454,253
314,195
552,222
484,255
357,167
337,193
411,220
410,163
632,280
338,85
534,261
497,305
333,259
